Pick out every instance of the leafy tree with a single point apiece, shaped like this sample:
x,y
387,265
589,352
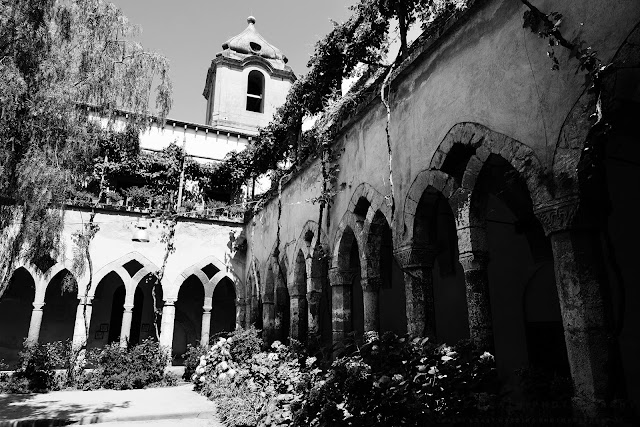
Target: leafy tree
x,y
57,59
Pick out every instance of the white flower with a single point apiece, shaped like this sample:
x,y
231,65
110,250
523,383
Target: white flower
x,y
203,378
486,356
310,361
446,358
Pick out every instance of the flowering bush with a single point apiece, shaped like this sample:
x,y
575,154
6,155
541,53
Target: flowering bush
x,y
252,387
430,383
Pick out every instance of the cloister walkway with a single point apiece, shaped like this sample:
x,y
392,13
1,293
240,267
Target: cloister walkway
x,y
180,404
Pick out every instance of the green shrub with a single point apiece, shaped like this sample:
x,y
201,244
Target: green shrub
x,y
121,369
246,343
37,364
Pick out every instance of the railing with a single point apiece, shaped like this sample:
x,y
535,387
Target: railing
x,y
233,213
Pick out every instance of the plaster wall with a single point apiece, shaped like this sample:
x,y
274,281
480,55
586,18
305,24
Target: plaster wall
x,y
230,98
201,142
195,241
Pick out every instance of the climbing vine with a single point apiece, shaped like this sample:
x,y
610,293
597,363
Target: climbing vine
x,y
360,42
591,168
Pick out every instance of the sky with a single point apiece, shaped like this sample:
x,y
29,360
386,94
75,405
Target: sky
x,y
190,33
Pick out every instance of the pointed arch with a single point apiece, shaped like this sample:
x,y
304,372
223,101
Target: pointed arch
x,y
117,266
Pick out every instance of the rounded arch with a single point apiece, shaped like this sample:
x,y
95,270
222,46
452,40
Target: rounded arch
x,y
376,202
439,181
348,232
478,143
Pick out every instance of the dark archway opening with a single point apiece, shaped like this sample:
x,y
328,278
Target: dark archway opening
x,y
300,311
223,313
117,310
16,305
59,311
530,334
188,320
435,228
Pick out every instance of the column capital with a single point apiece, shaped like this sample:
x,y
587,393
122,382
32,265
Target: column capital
x,y
567,213
371,283
38,306
313,297
207,309
413,256
474,260
85,300
128,307
341,277
169,301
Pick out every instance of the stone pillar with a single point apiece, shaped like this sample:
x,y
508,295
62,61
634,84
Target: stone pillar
x,y
370,292
298,309
268,321
36,322
241,309
341,282
206,325
585,304
313,302
168,320
476,279
125,332
81,327
417,266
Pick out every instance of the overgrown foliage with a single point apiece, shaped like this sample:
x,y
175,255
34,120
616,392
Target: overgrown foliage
x,y
56,56
122,368
366,386
361,41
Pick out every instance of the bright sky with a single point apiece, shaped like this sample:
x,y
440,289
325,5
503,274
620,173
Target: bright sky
x,y
191,32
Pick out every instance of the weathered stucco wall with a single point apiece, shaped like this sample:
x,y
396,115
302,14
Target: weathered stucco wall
x,y
487,86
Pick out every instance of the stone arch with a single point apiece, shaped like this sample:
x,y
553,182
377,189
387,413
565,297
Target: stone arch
x,y
439,181
376,201
116,266
197,270
482,142
343,241
35,273
47,276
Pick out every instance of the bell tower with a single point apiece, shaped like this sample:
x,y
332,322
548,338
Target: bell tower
x,y
246,83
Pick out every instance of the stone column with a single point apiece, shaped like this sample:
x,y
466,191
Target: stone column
x,y
417,267
313,302
241,309
125,332
36,322
168,320
585,304
206,325
476,279
268,320
370,292
298,309
81,327
341,282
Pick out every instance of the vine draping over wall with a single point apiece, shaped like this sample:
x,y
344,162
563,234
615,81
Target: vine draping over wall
x,y
363,40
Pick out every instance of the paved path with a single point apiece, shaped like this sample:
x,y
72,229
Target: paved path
x,y
103,406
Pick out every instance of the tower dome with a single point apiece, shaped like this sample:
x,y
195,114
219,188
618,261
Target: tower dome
x,y
250,42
